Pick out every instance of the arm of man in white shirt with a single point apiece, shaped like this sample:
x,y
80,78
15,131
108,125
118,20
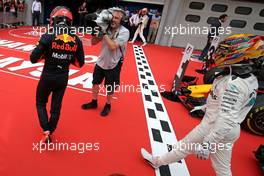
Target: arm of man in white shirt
x,y
32,8
131,20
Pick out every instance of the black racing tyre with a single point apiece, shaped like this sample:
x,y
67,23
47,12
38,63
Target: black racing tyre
x,y
254,121
209,76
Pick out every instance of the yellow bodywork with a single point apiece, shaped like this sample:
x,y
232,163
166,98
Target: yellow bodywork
x,y
199,91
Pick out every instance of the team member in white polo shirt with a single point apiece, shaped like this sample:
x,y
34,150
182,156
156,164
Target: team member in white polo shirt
x,y
143,21
36,11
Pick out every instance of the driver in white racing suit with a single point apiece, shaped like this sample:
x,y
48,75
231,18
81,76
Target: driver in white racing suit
x,y
229,102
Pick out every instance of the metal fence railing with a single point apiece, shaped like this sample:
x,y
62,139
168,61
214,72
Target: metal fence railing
x,y
10,19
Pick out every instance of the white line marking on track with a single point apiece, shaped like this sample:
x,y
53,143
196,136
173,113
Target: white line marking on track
x,y
160,129
71,87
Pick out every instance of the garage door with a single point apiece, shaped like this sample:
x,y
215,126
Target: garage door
x,y
244,17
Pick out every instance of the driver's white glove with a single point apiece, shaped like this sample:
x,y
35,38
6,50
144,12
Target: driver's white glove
x,y
196,108
203,151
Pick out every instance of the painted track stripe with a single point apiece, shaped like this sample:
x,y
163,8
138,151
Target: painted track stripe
x,y
160,129
33,78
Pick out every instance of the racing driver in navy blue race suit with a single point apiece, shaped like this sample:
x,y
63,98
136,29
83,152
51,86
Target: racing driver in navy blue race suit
x,y
58,50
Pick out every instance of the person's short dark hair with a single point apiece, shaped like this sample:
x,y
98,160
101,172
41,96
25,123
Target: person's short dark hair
x,y
223,16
